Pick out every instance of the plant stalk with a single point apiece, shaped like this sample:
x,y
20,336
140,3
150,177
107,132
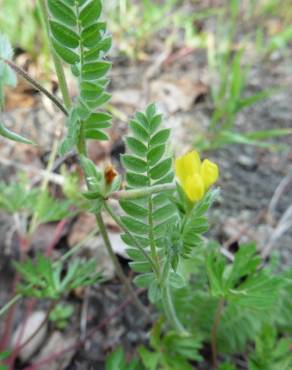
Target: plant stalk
x,y
169,310
142,192
214,330
35,84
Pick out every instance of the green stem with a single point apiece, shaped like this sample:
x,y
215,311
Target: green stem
x,y
169,310
116,263
214,330
142,192
57,61
126,230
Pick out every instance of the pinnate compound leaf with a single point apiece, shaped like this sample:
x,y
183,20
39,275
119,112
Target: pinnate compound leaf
x,y
95,134
93,34
134,164
93,71
66,36
102,46
155,123
139,131
66,54
155,154
90,90
161,169
90,12
136,146
133,209
62,12
135,226
160,137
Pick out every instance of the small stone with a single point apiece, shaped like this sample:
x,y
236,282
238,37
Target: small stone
x,y
32,324
247,163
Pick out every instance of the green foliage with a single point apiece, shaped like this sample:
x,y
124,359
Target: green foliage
x,y
116,361
45,279
170,351
242,282
253,297
4,356
270,352
24,16
61,314
229,99
195,221
18,197
80,39
147,164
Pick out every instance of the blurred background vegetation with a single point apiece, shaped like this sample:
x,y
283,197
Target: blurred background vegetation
x,y
235,35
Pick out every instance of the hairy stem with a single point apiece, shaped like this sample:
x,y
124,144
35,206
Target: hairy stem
x,y
117,265
35,84
214,330
154,255
142,192
57,61
169,310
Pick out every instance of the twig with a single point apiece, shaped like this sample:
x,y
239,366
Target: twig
x,y
80,342
245,229
35,84
53,177
281,188
284,224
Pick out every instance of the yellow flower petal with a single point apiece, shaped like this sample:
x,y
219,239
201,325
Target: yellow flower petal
x,y
209,173
194,187
187,165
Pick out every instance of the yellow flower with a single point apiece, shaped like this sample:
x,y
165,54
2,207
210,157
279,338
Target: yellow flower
x,y
195,177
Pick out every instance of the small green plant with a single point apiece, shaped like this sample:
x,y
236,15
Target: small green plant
x,y
204,298
61,314
45,279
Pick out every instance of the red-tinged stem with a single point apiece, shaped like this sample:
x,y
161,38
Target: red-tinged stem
x,y
80,342
57,235
9,319
214,332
